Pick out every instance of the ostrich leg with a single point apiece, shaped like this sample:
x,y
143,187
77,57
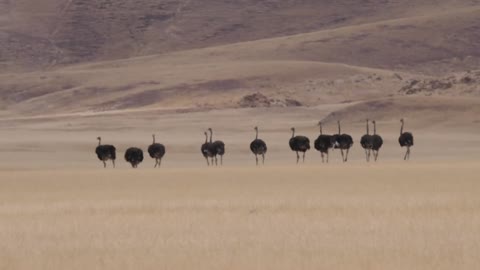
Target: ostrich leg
x,y
113,162
298,157
323,161
303,157
263,159
104,164
343,157
346,156
256,159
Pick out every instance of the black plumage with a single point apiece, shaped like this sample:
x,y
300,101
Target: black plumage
x,y
156,151
366,142
343,142
323,143
105,152
217,148
405,140
258,147
299,144
134,156
377,141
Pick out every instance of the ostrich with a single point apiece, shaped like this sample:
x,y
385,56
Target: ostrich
x,y
405,139
218,148
323,143
156,151
105,152
366,142
377,141
206,149
299,144
258,147
134,156
343,142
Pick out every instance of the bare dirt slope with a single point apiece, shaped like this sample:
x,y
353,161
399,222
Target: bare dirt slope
x,y
351,63
301,53
40,34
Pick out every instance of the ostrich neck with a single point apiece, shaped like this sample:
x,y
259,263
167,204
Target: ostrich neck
x,y
99,142
368,131
211,135
293,133
321,131
153,139
206,137
374,128
339,129
401,129
256,134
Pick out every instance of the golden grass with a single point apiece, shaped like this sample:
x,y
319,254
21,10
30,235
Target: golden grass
x,y
394,216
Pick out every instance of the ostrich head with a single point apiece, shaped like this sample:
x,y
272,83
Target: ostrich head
x,y
401,120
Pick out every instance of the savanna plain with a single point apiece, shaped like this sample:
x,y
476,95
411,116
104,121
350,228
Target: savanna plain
x,y
60,208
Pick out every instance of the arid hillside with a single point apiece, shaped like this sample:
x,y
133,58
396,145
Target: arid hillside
x,y
38,34
90,57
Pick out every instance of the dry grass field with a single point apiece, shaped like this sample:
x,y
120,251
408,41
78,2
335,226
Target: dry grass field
x,y
60,209
72,70
389,216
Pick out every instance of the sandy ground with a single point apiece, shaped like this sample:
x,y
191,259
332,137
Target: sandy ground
x,y
59,209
